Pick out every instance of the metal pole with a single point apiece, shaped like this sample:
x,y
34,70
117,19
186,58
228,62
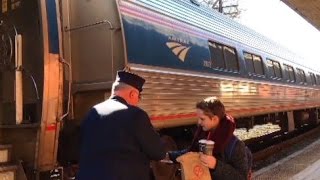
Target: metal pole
x,y
220,6
18,82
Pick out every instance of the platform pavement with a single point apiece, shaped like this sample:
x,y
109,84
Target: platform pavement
x,y
301,165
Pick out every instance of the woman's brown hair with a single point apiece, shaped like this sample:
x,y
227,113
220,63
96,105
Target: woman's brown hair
x,y
212,106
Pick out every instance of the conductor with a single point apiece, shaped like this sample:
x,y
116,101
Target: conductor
x,y
117,137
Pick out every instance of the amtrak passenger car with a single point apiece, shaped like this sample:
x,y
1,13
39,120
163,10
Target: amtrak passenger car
x,y
187,52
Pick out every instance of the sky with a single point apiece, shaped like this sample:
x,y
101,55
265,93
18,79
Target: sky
x,y
277,21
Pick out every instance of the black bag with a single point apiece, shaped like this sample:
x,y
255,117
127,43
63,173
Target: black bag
x,y
229,151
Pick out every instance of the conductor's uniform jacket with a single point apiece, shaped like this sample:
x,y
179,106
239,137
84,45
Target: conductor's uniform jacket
x,y
118,142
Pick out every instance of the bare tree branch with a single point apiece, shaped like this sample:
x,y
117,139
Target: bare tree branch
x,y
227,7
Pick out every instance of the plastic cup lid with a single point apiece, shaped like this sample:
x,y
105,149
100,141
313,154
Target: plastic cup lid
x,y
209,142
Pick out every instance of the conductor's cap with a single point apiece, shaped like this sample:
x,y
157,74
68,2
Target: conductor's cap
x,y
130,79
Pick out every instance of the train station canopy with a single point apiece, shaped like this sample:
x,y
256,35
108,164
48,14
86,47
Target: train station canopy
x,y
308,9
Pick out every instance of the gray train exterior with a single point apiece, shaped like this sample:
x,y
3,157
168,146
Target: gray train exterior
x,y
73,48
170,44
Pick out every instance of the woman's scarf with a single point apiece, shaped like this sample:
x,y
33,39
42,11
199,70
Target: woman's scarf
x,y
221,135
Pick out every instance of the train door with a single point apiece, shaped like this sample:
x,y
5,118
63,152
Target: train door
x,y
93,47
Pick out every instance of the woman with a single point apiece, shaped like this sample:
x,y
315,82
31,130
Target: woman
x,y
216,125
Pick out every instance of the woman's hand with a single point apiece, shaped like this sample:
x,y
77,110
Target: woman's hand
x,y
208,161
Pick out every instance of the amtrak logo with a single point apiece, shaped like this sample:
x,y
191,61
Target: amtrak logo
x,y
178,49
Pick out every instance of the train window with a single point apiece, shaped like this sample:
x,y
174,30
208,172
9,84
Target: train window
x,y
301,77
257,62
249,62
216,51
292,77
254,63
270,68
313,78
289,72
231,59
318,79
274,68
223,56
277,69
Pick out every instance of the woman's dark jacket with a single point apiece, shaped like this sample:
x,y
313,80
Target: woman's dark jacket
x,y
233,167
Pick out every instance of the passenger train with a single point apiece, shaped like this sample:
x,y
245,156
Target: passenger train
x,y
58,58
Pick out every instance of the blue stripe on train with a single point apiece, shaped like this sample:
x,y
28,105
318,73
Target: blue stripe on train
x,y
147,44
52,27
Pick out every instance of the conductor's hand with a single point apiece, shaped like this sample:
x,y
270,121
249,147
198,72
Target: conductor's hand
x,y
208,161
167,159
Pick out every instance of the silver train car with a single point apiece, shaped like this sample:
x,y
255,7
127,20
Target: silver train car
x,y
186,53
57,64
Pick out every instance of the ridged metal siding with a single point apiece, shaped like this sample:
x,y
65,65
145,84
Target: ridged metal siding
x,y
168,94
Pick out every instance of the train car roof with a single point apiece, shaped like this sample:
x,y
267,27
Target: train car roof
x,y
217,23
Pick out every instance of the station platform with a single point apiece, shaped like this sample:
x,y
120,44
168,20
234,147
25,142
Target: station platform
x,y
301,165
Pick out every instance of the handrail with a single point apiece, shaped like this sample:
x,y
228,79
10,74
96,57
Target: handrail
x,y
69,88
90,25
